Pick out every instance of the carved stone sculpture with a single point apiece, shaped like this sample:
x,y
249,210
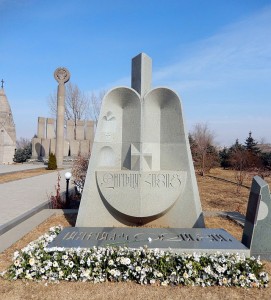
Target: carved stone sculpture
x,y
141,170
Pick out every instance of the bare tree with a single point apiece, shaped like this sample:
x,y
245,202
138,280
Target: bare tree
x,y
239,161
78,105
204,153
22,143
96,102
79,171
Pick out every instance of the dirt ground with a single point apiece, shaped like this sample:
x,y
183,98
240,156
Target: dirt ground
x,y
215,195
218,195
23,174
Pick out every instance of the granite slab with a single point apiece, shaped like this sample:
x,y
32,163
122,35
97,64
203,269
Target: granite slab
x,y
180,240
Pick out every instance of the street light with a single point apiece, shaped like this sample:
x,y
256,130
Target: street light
x,y
68,176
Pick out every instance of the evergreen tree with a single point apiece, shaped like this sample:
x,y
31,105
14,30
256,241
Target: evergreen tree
x,y
23,154
52,162
251,144
224,156
237,146
266,159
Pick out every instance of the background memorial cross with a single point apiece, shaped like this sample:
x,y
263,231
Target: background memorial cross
x,y
2,83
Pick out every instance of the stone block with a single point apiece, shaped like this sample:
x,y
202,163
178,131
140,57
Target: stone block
x,y
168,239
141,73
45,146
70,134
84,147
41,127
36,148
53,146
89,131
50,128
66,148
74,147
256,234
80,130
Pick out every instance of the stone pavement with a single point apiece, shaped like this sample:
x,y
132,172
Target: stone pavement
x,y
18,198
19,167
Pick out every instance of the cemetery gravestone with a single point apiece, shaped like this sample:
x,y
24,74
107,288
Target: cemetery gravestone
x,y
141,170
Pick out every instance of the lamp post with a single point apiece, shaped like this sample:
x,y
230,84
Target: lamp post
x,y
68,176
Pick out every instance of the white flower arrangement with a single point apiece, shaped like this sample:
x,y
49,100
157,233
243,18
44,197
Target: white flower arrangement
x,y
143,265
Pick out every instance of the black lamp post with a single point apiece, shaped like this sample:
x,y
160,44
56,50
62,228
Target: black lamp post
x,y
68,176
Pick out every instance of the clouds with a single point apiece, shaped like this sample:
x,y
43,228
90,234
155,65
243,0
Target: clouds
x,y
238,52
225,78
216,57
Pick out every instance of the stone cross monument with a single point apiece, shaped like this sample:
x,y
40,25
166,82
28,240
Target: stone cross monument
x,y
62,75
141,170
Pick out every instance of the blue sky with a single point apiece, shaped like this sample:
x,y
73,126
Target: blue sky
x,y
216,54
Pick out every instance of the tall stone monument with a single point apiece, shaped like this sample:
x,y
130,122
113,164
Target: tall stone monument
x,y
62,75
141,169
7,130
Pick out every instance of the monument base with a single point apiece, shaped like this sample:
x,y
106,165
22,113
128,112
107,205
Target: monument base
x,y
179,240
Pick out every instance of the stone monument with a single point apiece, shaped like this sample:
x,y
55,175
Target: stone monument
x,y
141,170
141,173
7,130
256,235
62,75
45,142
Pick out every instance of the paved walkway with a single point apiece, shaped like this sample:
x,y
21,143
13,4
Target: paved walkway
x,y
19,167
21,196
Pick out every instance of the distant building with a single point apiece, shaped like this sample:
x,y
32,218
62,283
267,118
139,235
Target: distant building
x,y
7,130
265,148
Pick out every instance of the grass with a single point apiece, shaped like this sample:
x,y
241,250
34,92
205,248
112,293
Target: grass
x,y
215,195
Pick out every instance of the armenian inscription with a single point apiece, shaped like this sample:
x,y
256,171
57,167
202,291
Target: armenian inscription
x,y
140,193
135,180
177,239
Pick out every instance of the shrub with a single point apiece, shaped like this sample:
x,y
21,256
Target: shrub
x,y
56,201
52,162
79,172
22,154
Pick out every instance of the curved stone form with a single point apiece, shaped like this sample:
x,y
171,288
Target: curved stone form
x,y
141,170
7,131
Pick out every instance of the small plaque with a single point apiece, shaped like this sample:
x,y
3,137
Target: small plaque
x,y
176,239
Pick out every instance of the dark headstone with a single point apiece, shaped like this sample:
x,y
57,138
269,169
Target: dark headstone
x,y
257,230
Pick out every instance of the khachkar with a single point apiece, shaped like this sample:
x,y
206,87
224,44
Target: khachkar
x,y
62,75
7,130
141,170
